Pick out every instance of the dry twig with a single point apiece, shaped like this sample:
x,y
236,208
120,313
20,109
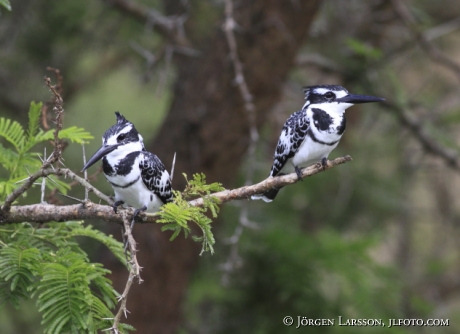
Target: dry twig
x,y
433,52
134,271
59,110
419,131
240,80
169,27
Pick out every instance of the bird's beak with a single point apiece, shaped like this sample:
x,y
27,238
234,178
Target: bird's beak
x,y
355,99
104,150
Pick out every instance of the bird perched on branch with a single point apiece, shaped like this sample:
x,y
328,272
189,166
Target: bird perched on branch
x,y
138,177
310,134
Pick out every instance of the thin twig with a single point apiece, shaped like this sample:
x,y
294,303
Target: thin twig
x,y
134,271
59,110
85,174
42,197
169,27
249,107
419,131
44,173
172,167
433,52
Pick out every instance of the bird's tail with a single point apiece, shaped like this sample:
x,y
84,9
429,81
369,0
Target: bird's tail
x,y
267,196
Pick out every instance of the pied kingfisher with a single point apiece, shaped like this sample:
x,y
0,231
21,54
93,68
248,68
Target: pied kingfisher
x,y
138,177
310,134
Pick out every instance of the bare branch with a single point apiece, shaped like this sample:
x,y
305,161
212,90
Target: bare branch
x,y
59,110
85,173
44,173
172,167
273,182
134,271
418,129
44,213
169,27
240,80
433,52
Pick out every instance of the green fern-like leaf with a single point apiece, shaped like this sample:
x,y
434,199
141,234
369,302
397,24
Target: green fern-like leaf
x,y
115,246
74,295
198,187
8,158
13,132
6,187
73,133
21,160
65,299
17,269
34,119
178,213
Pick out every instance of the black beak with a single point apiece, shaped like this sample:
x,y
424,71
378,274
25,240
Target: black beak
x,y
104,150
355,99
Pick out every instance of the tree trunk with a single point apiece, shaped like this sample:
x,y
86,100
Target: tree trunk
x,y
207,126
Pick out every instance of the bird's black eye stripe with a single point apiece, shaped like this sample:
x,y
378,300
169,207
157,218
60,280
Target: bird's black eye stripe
x,y
121,136
329,95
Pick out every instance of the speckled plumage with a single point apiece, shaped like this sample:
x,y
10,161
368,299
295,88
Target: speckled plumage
x,y
138,177
292,135
310,134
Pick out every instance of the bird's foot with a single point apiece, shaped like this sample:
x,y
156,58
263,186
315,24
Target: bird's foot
x,y
324,163
298,171
116,205
136,213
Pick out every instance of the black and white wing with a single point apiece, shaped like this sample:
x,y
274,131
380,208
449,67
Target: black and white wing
x,y
155,176
293,134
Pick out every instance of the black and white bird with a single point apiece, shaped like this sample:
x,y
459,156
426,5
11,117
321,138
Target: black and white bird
x,y
138,177
310,134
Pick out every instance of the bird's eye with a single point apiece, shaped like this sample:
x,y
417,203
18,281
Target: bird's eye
x,y
121,137
329,95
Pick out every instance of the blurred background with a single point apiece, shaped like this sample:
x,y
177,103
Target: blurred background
x,y
374,238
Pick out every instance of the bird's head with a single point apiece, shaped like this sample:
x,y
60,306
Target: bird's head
x,y
121,139
334,97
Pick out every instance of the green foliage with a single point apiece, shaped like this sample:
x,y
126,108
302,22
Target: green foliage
x,y
73,294
19,159
65,298
289,272
364,50
5,4
17,271
108,241
47,263
177,213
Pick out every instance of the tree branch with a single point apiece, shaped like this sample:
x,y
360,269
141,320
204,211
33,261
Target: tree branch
x,y
44,173
240,80
274,182
134,271
433,52
43,213
419,131
59,110
168,27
